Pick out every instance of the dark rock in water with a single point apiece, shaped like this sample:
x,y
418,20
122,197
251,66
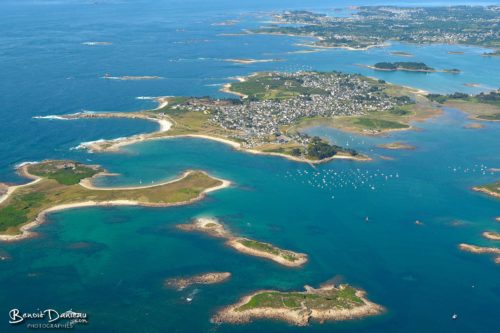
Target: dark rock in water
x,y
4,255
87,247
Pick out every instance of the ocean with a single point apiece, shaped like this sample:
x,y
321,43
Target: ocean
x,y
111,262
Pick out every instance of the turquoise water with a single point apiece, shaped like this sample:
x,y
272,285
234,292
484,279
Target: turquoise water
x,y
111,262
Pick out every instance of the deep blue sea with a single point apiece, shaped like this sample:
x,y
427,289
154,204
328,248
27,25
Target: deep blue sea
x,y
415,271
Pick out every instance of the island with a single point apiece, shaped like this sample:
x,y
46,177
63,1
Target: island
x,y
489,189
248,61
409,66
96,43
206,278
327,303
402,66
482,250
473,126
273,108
402,54
396,146
483,106
491,235
248,246
131,78
61,184
377,26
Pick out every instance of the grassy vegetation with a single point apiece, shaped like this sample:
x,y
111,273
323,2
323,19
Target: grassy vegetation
x,y
403,65
268,248
342,298
64,172
264,86
26,203
378,124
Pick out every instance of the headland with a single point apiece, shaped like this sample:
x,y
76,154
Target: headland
x,y
57,186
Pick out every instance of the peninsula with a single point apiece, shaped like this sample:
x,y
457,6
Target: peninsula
x,y
328,303
207,278
251,247
273,108
483,106
59,185
376,26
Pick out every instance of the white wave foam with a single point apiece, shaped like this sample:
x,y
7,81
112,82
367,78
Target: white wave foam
x,y
19,165
51,117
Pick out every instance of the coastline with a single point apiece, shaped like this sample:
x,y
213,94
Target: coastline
x,y
25,229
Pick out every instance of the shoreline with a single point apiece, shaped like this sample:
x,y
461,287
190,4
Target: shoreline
x,y
25,229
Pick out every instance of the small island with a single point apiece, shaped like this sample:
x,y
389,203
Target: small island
x,y
59,185
397,146
490,189
131,78
409,66
206,278
403,66
473,126
491,235
481,250
402,54
251,247
248,61
328,303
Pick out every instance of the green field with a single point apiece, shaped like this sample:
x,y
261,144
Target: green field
x,y
342,298
378,124
64,172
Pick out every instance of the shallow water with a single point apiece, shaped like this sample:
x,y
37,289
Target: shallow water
x,y
111,262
